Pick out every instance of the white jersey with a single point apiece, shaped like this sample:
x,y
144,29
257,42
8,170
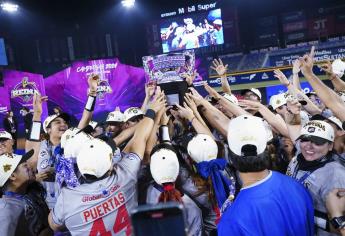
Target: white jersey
x,y
46,160
101,207
319,183
193,215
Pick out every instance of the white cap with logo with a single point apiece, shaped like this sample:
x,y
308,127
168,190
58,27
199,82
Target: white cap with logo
x,y
132,112
9,162
318,129
5,135
278,100
50,118
231,98
95,158
253,90
244,130
164,166
115,116
202,148
75,143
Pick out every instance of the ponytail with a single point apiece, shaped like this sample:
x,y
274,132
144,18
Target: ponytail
x,y
170,194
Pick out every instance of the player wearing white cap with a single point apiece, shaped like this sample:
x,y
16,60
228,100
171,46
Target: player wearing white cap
x,y
6,142
261,207
54,126
316,168
23,210
100,206
164,167
114,123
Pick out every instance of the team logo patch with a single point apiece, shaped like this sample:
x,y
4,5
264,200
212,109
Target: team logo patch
x,y
44,164
311,129
43,153
7,167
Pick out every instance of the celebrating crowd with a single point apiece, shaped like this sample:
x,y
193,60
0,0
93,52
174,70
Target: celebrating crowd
x,y
236,166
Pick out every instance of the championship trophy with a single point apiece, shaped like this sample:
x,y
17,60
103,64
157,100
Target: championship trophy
x,y
168,71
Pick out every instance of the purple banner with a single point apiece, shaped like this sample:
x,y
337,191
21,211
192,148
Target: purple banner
x,y
5,104
120,85
21,87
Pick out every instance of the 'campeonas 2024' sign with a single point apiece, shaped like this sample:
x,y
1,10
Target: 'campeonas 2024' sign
x,y
24,90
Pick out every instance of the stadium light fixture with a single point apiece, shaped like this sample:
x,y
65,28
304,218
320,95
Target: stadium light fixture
x,y
128,3
9,7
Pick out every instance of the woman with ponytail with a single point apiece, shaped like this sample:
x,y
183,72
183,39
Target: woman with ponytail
x,y
164,167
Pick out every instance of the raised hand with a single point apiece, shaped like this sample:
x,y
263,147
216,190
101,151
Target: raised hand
x,y
327,67
307,62
158,103
219,67
92,81
149,89
185,111
190,102
282,78
197,98
296,67
37,103
250,105
211,91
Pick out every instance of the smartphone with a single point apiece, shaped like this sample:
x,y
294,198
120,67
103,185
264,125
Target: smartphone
x,y
161,219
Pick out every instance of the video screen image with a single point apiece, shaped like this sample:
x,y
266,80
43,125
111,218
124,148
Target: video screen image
x,y
192,31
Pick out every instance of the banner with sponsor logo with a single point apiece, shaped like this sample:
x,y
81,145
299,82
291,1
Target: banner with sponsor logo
x,y
255,77
320,55
5,104
21,87
120,85
294,26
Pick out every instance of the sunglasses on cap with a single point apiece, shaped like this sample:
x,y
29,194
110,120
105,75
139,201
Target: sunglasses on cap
x,y
313,139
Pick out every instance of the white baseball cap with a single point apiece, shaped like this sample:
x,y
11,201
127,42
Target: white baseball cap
x,y
132,112
5,135
338,67
164,166
336,121
202,148
95,158
231,98
49,120
75,143
278,100
253,90
115,116
244,130
68,134
218,22
9,162
317,129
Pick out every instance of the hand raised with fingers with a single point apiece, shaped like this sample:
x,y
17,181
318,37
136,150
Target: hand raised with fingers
x,y
37,103
250,105
296,66
219,67
282,78
307,62
92,81
149,89
197,98
211,91
190,102
185,111
158,102
327,67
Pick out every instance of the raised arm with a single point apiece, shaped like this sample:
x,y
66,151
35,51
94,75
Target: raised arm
x,y
327,95
338,84
149,91
138,142
214,116
218,66
35,133
187,113
293,118
277,123
92,81
295,78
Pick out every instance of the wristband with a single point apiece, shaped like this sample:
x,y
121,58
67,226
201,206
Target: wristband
x,y
35,132
150,114
90,104
164,134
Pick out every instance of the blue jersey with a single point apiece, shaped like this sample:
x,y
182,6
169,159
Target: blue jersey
x,y
277,205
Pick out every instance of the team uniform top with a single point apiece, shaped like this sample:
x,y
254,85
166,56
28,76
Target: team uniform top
x,y
193,214
101,207
276,205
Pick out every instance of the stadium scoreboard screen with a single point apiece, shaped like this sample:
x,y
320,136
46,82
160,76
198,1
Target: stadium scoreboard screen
x,y
191,27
